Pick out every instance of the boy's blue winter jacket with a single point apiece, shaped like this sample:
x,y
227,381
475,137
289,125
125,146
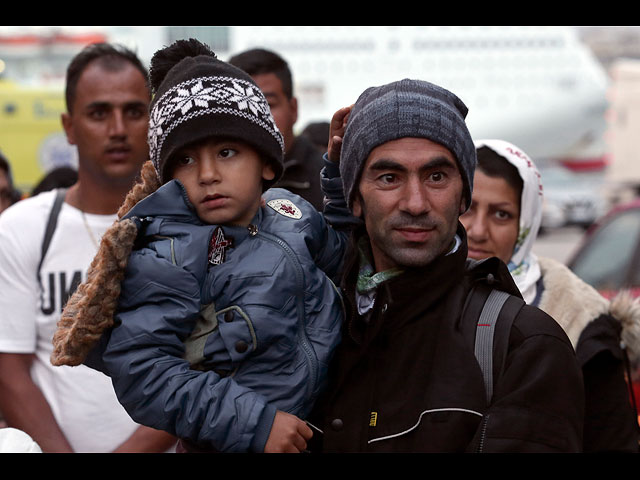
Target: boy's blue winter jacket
x,y
209,352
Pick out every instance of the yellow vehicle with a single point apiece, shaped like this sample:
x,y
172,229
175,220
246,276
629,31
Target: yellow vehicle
x,y
31,134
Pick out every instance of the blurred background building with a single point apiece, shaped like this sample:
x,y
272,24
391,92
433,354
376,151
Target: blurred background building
x,y
566,95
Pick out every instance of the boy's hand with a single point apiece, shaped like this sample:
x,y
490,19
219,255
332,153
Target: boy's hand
x,y
337,127
288,434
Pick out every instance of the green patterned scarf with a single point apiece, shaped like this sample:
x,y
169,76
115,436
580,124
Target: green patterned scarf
x,y
368,279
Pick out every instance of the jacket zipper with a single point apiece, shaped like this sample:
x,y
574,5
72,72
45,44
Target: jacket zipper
x,y
302,332
483,433
173,252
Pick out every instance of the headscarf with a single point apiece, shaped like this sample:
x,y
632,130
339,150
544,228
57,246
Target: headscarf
x,y
523,265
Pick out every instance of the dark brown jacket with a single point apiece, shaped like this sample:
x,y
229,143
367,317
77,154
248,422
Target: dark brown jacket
x,y
407,379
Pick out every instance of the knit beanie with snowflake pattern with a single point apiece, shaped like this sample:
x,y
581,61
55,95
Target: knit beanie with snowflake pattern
x,y
197,96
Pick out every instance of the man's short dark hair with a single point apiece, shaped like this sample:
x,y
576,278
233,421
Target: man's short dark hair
x,y
259,61
6,168
4,165
318,133
111,57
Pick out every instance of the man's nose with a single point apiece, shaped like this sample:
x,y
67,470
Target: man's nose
x,y
117,125
415,198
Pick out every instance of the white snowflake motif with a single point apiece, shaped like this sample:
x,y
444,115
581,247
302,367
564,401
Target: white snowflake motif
x,y
198,95
247,98
157,120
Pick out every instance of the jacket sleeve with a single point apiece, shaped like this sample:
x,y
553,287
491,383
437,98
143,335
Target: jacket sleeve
x,y
157,387
611,423
538,403
336,222
336,211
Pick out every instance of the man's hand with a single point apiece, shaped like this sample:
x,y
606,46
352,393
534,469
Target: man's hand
x,y
288,434
25,408
337,126
147,440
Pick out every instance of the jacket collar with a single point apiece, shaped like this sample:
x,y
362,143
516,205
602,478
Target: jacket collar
x,y
431,281
168,201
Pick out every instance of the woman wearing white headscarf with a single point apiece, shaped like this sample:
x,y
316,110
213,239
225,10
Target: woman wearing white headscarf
x,y
503,221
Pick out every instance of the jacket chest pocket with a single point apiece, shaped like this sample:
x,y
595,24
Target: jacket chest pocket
x,y
220,339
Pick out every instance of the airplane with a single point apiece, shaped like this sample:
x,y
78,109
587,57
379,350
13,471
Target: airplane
x,y
540,88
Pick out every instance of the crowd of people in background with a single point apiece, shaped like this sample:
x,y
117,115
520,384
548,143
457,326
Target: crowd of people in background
x,y
207,280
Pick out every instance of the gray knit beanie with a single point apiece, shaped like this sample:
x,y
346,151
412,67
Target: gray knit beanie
x,y
407,108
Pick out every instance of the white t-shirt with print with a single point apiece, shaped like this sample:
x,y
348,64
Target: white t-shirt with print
x,y
82,399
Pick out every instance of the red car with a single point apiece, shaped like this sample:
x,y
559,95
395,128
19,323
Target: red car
x,y
609,256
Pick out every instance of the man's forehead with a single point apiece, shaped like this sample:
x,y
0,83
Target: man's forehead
x,y
101,85
269,83
411,150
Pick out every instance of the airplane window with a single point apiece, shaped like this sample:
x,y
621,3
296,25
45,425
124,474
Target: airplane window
x,y
606,260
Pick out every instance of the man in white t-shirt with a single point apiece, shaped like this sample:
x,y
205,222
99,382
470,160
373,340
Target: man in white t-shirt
x,y
72,409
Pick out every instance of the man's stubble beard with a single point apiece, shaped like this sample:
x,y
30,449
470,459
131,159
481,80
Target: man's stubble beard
x,y
402,254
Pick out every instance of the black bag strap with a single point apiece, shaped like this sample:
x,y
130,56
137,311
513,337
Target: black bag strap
x,y
51,227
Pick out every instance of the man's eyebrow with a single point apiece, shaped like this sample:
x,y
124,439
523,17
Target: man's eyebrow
x,y
389,164
102,105
440,162
386,164
97,104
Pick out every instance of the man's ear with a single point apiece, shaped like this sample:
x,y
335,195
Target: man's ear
x,y
463,205
357,206
67,125
293,103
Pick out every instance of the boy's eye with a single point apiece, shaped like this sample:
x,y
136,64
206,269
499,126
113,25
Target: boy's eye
x,y
227,152
185,160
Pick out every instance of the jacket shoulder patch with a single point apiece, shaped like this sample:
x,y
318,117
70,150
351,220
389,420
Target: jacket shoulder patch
x,y
285,207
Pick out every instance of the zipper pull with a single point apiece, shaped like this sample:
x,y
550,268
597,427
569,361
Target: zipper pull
x,y
253,230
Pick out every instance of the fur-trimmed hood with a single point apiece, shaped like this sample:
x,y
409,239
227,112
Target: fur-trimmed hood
x,y
89,311
574,304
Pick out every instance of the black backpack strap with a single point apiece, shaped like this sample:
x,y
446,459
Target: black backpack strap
x,y
51,227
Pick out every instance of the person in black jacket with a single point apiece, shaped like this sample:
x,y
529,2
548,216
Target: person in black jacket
x,y
302,161
504,221
405,377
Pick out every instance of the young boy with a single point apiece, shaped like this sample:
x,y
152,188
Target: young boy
x,y
226,315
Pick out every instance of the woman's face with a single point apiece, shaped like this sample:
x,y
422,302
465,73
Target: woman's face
x,y
492,221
